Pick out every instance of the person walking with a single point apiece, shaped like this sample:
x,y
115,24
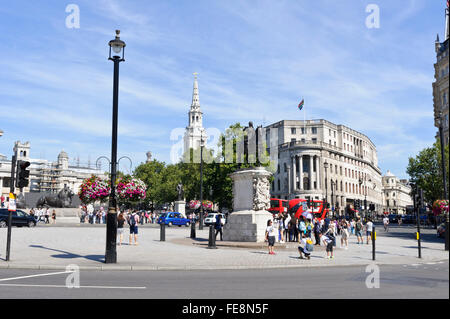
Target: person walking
x,y
281,227
329,241
287,220
133,223
120,223
317,232
369,229
358,231
344,234
47,215
386,223
270,236
54,217
218,226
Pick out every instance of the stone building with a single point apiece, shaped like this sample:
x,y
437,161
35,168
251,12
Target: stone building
x,y
304,147
194,130
440,85
45,176
396,194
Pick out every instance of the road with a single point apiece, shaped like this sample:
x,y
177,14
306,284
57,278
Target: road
x,y
399,281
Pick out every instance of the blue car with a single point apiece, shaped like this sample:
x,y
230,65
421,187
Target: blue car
x,y
173,219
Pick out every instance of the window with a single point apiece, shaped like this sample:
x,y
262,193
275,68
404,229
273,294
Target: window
x,y
293,130
303,130
330,132
314,130
314,140
293,140
303,140
334,133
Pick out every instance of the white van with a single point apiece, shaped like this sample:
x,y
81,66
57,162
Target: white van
x,y
211,219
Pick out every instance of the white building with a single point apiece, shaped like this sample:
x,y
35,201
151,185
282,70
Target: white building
x,y
303,149
45,176
194,130
396,194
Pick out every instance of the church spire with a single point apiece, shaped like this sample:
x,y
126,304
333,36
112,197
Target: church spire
x,y
195,99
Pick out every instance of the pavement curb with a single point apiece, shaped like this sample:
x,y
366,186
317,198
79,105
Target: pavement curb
x,y
197,268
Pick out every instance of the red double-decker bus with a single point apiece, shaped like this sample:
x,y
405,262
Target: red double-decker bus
x,y
295,206
317,208
278,206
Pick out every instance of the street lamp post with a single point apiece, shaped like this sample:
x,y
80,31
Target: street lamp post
x,y
444,174
200,226
325,165
118,47
333,209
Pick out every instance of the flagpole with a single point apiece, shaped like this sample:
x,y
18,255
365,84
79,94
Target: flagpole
x,y
304,117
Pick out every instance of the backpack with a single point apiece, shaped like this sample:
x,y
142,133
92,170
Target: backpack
x,y
132,221
309,246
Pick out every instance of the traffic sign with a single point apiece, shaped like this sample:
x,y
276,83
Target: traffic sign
x,y
12,203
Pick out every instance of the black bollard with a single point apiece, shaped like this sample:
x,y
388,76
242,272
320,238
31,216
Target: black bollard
x,y
163,231
374,238
212,238
193,229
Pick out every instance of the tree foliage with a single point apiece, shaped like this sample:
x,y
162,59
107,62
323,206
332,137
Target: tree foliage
x,y
425,171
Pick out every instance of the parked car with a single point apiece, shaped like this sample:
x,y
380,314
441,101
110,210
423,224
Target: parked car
x,y
441,230
211,219
173,218
19,218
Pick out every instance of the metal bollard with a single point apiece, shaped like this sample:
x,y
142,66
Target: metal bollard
x,y
212,238
193,229
162,234
374,238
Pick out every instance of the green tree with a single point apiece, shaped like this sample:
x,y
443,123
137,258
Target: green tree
x,y
426,171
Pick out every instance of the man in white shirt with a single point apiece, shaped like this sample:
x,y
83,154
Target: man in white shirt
x,y
369,229
386,223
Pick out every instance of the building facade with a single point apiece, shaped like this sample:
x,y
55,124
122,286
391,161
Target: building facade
x,y
318,159
45,176
440,85
396,194
194,131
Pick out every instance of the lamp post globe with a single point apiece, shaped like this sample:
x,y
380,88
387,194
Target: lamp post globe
x,y
118,47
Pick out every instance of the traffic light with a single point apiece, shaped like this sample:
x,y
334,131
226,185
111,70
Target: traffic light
x,y
22,174
357,204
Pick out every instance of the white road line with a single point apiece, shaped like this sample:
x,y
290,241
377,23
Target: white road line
x,y
38,275
61,286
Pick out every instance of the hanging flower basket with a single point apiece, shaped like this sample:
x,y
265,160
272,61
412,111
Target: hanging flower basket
x,y
440,207
131,190
194,204
93,189
208,205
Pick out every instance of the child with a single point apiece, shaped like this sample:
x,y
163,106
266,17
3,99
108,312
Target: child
x,y
329,239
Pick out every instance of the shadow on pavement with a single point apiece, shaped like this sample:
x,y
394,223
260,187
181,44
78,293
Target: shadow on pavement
x,y
69,255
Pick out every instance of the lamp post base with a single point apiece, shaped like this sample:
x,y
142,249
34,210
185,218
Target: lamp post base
x,y
111,237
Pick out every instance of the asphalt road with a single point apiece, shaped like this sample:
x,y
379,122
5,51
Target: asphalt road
x,y
400,281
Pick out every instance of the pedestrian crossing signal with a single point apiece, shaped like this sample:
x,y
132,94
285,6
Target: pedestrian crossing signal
x,y
22,174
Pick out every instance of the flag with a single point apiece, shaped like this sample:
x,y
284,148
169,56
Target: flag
x,y
300,106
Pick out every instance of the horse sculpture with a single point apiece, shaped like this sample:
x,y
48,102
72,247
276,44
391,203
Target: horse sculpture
x,y
62,200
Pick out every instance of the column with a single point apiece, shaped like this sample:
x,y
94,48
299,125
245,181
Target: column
x,y
301,171
318,172
311,185
294,173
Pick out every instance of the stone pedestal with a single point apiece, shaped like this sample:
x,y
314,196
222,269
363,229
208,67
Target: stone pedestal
x,y
251,198
180,207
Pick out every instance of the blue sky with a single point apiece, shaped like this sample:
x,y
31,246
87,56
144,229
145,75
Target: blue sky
x,y
255,60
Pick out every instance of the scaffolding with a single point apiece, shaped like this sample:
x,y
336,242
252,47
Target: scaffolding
x,y
49,178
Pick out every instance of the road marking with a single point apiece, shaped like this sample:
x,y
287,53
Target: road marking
x,y
62,286
38,275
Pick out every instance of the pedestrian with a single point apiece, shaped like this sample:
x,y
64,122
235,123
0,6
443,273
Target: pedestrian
x,y
386,223
358,231
287,220
281,227
344,234
329,240
120,223
133,223
369,228
54,217
308,228
270,236
352,226
47,215
317,232
218,226
307,247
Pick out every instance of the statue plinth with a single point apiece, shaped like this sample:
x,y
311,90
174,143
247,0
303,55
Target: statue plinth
x,y
180,207
251,199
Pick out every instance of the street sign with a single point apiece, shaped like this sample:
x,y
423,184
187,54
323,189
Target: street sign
x,y
12,203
